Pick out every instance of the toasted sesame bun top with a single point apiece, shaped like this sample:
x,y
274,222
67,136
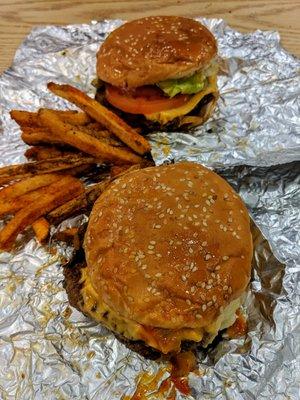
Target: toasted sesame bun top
x,y
169,246
153,49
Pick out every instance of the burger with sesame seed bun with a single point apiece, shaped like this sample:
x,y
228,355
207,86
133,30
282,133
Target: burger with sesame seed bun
x,y
159,72
166,259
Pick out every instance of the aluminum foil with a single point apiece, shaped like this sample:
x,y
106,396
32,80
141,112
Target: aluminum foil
x,y
50,351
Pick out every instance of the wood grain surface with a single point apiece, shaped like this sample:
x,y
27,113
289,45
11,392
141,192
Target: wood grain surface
x,y
18,17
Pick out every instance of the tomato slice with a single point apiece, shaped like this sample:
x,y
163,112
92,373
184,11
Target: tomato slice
x,y
143,100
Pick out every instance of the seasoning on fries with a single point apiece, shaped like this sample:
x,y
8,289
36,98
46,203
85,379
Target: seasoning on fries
x,y
73,136
101,114
93,143
57,193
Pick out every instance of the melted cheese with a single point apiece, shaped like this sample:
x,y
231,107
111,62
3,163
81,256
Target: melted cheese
x,y
165,340
165,116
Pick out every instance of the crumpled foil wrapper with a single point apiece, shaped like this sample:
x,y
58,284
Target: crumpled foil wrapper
x,y
50,351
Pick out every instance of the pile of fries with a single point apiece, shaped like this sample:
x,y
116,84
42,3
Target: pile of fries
x,y
66,146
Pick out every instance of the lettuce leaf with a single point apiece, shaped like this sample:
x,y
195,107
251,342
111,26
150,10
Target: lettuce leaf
x,y
190,85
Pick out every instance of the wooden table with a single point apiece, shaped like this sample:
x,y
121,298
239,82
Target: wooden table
x,y
18,17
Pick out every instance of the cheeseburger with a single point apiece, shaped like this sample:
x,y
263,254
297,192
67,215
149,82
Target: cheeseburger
x,y
168,257
159,72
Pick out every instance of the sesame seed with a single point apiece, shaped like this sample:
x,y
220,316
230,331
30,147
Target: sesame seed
x,y
225,258
161,216
157,226
193,289
158,275
150,247
158,255
214,298
204,307
188,302
144,266
150,252
152,242
183,277
207,256
198,316
191,251
204,243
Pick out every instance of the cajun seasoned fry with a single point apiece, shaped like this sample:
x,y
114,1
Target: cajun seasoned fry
x,y
80,204
57,193
30,119
118,169
61,164
69,209
38,136
40,153
94,129
11,206
101,114
27,185
41,228
84,142
70,236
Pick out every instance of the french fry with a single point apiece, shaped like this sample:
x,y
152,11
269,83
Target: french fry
x,y
11,206
61,164
57,194
88,144
101,114
70,236
38,136
27,185
78,205
118,169
40,153
94,129
30,119
41,228
75,206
